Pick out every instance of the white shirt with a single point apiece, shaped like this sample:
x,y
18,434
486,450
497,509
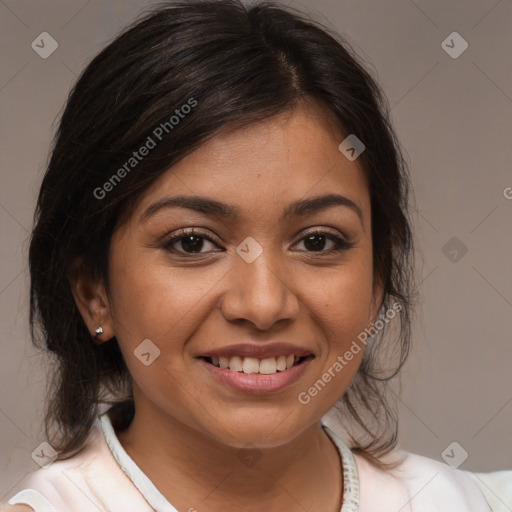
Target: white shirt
x,y
103,477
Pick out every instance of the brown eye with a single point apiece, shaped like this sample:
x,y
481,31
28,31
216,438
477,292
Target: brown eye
x,y
317,240
191,242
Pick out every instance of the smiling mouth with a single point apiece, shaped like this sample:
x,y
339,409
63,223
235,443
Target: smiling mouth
x,y
253,365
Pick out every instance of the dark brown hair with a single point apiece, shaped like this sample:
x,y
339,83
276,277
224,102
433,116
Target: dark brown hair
x,y
237,65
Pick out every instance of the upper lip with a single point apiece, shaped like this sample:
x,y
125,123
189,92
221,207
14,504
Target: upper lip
x,y
258,350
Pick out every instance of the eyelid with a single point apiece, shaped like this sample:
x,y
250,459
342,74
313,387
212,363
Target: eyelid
x,y
183,232
325,230
341,243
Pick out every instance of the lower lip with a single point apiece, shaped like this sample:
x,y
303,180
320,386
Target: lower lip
x,y
255,382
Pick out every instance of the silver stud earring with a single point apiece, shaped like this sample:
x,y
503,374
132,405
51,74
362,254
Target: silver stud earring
x,y
98,331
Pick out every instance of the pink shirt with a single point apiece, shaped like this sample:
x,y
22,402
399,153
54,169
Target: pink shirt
x,y
103,477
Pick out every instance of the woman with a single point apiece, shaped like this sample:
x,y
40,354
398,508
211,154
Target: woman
x,y
223,253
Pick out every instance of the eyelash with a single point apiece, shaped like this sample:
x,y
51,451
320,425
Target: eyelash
x,y
340,243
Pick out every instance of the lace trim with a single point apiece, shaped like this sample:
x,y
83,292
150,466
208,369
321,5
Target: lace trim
x,y
350,474
148,490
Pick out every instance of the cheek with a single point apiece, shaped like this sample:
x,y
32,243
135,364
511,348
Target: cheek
x,y
342,302
343,316
152,300
166,306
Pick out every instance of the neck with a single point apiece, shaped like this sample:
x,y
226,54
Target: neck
x,y
193,471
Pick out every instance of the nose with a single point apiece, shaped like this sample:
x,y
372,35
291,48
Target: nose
x,y
260,292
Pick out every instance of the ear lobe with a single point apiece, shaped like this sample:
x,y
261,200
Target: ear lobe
x,y
92,302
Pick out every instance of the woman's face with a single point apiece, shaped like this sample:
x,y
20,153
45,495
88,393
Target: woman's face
x,y
255,285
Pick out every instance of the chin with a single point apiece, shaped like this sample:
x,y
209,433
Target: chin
x,y
262,433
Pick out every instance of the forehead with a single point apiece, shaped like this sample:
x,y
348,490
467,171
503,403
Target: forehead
x,y
266,165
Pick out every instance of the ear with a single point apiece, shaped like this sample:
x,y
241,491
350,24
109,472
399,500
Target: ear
x,y
92,301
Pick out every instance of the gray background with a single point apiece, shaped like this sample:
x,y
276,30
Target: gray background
x,y
453,117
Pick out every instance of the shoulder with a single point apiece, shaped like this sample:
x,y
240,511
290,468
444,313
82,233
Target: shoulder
x,y
49,488
496,487
16,508
418,484
86,480
28,500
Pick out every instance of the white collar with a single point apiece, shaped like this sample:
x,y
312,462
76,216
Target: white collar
x,y
158,502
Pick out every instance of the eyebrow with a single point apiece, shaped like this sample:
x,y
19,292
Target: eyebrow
x,y
216,208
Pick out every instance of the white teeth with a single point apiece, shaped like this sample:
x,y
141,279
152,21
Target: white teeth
x,y
250,365
268,366
281,363
236,364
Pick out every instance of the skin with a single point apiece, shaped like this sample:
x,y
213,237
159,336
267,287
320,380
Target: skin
x,y
189,430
